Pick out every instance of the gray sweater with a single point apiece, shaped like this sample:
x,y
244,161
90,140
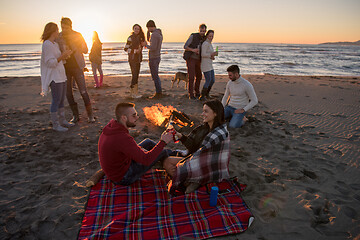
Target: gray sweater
x,y
155,44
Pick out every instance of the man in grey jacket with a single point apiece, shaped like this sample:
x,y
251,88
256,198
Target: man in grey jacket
x,y
154,55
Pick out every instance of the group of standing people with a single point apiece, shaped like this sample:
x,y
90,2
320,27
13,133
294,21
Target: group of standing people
x,y
62,63
199,55
134,45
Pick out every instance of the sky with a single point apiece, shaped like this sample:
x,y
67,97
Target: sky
x,y
238,21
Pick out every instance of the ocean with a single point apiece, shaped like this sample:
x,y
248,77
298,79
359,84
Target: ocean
x,y
18,60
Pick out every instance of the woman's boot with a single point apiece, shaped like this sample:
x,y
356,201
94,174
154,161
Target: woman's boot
x,y
203,94
97,85
91,118
62,120
55,122
208,93
75,111
101,79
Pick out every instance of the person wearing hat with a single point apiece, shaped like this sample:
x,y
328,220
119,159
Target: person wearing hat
x,y
154,35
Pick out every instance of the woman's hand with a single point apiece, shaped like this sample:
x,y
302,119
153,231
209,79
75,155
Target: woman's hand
x,y
170,165
167,137
178,135
65,55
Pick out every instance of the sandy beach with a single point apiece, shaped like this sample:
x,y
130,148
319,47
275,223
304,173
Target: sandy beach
x,y
298,155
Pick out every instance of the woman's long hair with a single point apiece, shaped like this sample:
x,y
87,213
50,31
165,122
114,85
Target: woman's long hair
x,y
95,37
141,33
218,108
49,29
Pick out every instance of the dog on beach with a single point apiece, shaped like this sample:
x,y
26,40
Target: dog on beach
x,y
180,76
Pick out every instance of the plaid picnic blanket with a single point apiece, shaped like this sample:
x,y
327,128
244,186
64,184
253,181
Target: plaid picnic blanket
x,y
145,210
208,164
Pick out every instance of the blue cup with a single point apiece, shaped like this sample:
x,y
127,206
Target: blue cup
x,y
213,196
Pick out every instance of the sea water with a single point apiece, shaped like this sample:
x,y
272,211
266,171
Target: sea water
x,y
280,59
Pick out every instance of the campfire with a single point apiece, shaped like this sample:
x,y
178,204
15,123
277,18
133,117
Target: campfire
x,y
160,115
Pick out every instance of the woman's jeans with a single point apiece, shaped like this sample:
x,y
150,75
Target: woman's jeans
x,y
136,170
135,70
76,74
58,92
236,119
154,69
209,78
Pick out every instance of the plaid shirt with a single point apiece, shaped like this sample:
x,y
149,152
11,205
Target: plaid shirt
x,y
208,164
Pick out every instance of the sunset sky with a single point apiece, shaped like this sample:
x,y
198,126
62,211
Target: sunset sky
x,y
251,21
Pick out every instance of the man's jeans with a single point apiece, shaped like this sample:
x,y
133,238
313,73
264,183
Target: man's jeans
x,y
136,170
76,74
236,119
194,71
154,69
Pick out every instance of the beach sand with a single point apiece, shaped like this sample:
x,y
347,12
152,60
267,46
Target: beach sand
x,y
298,155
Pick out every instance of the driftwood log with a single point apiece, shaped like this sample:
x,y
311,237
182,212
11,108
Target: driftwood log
x,y
94,179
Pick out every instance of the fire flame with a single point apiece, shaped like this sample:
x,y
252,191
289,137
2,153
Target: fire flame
x,y
158,113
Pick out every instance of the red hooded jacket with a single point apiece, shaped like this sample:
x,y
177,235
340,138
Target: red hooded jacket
x,y
117,149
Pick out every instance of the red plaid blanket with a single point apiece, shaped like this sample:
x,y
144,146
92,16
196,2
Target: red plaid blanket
x,y
145,210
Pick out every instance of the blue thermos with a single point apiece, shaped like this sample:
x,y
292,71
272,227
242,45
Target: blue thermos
x,y
213,196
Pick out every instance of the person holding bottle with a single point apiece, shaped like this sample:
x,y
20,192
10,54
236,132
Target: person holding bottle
x,y
207,56
53,76
208,145
134,49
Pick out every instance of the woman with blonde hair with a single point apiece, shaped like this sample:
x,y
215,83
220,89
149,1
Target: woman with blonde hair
x,y
95,59
53,76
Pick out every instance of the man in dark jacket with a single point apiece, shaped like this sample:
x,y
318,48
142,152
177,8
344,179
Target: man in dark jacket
x,y
74,67
121,158
193,57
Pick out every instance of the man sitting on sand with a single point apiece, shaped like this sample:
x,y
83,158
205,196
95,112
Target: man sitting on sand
x,y
239,97
121,158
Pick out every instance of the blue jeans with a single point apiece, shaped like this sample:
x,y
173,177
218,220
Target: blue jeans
x,y
76,74
136,170
236,119
58,92
209,78
154,69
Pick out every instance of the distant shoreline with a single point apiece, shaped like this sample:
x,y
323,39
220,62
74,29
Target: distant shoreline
x,y
357,43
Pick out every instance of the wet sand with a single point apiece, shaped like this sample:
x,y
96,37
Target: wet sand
x,y
298,154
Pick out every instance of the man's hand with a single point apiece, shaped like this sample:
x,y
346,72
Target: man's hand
x,y
237,111
195,50
143,43
166,137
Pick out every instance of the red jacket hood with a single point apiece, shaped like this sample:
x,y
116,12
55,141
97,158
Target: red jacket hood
x,y
114,127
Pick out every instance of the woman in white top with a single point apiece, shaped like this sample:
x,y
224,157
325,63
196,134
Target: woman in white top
x,y
207,57
53,76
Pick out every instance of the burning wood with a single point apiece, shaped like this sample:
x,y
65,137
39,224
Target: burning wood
x,y
160,115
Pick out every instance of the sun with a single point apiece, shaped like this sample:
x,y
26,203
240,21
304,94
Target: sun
x,y
87,31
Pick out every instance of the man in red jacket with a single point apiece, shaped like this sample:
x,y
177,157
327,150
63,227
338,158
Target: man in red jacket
x,y
121,158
